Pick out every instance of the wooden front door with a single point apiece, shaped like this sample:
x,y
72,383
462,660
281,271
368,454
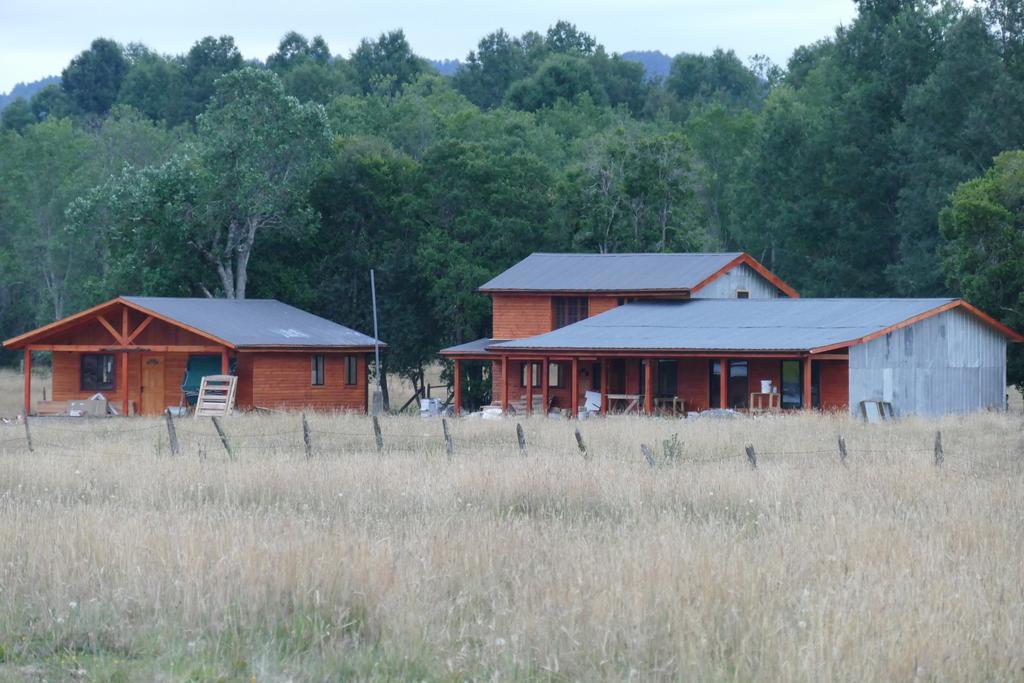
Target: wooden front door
x,y
152,387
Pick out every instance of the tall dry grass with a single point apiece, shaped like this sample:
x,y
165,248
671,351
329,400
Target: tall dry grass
x,y
120,562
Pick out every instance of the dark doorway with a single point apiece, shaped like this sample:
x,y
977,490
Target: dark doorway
x,y
738,385
616,375
668,378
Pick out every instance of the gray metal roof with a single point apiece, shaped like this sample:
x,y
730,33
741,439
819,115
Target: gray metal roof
x,y
609,272
478,346
253,322
731,324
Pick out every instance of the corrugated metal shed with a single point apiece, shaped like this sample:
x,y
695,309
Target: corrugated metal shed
x,y
731,324
609,272
253,322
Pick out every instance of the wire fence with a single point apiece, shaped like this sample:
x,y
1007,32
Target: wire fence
x,y
207,439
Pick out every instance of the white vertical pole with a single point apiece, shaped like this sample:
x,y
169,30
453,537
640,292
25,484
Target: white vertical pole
x,y
376,339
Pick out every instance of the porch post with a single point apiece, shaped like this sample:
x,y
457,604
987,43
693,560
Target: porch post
x,y
124,383
807,383
723,383
575,410
648,386
604,386
458,387
544,390
504,381
225,366
529,387
28,382
124,363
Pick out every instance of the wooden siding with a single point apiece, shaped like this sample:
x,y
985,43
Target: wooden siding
x,y
834,384
517,317
284,381
740,277
600,304
949,363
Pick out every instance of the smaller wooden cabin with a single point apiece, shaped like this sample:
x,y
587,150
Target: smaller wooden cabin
x,y
135,351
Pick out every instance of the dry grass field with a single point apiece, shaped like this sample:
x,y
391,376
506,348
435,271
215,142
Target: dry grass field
x,y
120,562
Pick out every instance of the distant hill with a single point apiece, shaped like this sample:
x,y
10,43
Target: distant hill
x,y
656,64
26,90
445,67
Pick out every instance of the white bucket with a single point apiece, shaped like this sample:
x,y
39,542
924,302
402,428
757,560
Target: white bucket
x,y
766,386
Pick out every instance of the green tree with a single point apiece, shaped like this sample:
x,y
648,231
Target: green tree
x,y
93,78
983,258
247,173
205,62
154,85
386,65
53,102
18,115
720,77
560,77
487,73
481,212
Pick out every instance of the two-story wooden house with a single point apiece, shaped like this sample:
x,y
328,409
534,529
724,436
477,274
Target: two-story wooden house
x,y
688,332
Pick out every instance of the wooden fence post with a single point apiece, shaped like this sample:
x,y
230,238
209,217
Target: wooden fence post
x,y
378,437
28,436
751,456
223,437
521,437
172,435
307,438
648,454
582,446
842,450
448,446
939,455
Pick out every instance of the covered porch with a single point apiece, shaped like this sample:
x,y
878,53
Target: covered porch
x,y
671,384
134,358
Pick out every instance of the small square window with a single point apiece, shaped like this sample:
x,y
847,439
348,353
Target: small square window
x,y
318,370
742,293
97,372
351,370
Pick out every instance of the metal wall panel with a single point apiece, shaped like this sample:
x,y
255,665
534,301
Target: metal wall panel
x,y
948,363
741,277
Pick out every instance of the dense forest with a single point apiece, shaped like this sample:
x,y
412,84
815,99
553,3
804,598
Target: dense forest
x,y
878,161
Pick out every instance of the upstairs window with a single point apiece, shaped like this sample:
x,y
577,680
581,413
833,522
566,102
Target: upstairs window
x,y
568,310
318,370
742,293
97,372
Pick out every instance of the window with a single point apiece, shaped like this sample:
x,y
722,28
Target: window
x,y
567,310
742,293
535,374
97,372
318,370
351,370
556,376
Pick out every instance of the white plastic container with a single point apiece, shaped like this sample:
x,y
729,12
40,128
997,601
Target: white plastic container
x,y
766,386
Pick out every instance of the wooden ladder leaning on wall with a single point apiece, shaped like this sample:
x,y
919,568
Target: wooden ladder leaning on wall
x,y
216,396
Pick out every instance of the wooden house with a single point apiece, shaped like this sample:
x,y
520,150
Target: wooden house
x,y
689,332
134,351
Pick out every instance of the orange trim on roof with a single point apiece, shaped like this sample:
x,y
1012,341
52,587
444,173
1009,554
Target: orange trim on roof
x,y
27,338
747,259
956,303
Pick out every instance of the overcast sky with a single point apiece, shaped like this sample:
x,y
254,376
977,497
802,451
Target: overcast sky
x,y
39,37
